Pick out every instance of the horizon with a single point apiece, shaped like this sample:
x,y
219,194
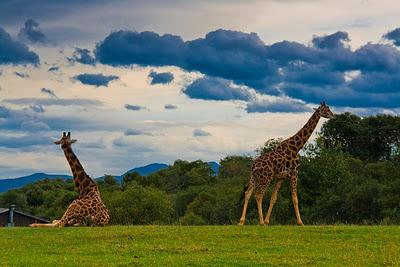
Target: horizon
x,y
167,80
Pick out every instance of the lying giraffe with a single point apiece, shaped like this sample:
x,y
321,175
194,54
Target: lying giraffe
x,y
280,163
88,209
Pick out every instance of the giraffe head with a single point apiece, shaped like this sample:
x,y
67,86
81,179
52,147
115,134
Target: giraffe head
x,y
65,140
324,111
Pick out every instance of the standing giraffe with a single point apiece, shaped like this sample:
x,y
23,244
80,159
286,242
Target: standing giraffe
x,y
280,163
88,208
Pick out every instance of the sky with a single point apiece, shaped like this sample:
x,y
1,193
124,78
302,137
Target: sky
x,y
138,82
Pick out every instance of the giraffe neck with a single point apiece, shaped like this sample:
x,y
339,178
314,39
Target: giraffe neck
x,y
82,181
304,133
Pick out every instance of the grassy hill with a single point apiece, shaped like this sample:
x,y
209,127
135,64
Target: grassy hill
x,y
202,245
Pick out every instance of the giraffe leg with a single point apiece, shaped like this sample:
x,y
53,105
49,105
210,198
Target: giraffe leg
x,y
247,196
259,198
293,189
272,202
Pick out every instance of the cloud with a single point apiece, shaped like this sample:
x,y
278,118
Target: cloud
x,y
21,75
135,107
28,119
132,132
54,68
393,36
200,133
54,101
48,92
133,145
82,56
209,88
332,41
95,79
170,106
161,77
280,105
24,141
230,59
13,52
32,33
37,108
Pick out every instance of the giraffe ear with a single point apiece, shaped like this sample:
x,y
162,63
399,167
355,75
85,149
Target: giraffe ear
x,y
73,141
57,142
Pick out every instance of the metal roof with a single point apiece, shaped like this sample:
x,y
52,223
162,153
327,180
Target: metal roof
x,y
3,210
28,215
24,214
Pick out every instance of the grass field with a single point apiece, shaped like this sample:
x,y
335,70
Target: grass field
x,y
202,246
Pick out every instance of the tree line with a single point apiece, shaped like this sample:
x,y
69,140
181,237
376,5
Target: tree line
x,y
350,175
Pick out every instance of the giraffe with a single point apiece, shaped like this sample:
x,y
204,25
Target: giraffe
x,y
281,163
88,209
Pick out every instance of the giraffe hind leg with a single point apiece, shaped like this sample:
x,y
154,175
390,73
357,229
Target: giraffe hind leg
x,y
272,202
259,197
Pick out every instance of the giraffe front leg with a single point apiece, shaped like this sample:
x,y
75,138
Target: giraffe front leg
x,y
272,202
247,195
293,189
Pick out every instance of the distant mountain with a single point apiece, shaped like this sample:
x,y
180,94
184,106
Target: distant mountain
x,y
13,183
214,166
148,169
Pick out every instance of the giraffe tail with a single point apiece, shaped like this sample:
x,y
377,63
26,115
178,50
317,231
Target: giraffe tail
x,y
243,194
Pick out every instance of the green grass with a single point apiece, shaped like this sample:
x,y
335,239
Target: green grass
x,y
202,246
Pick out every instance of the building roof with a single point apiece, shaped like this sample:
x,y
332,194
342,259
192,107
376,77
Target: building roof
x,y
2,210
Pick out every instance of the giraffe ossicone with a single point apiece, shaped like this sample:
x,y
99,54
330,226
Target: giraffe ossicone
x,y
88,209
279,164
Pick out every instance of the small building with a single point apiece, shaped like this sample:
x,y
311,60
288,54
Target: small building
x,y
11,217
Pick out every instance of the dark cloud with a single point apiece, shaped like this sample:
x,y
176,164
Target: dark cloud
x,y
82,56
24,141
200,133
54,101
13,52
161,77
122,48
130,132
55,68
210,88
377,57
393,36
29,120
170,106
32,33
281,105
135,107
21,120
331,41
21,75
370,81
311,73
37,108
95,79
221,53
48,92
